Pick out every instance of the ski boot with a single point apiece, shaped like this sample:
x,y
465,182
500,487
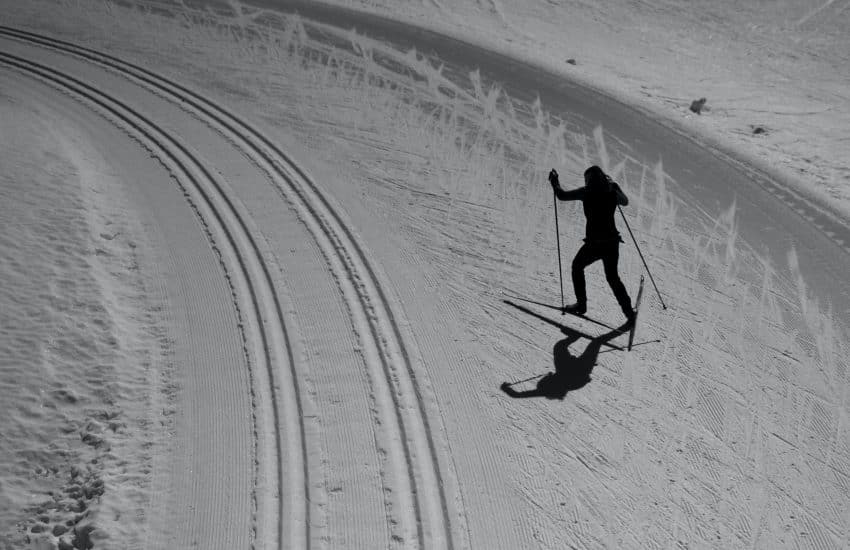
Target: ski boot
x,y
578,308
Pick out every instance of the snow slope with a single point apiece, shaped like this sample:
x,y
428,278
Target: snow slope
x,y
133,266
775,74
379,259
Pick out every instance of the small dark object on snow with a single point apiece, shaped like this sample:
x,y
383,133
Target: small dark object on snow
x,y
698,104
571,61
759,130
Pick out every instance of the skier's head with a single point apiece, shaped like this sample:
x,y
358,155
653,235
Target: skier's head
x,y
595,178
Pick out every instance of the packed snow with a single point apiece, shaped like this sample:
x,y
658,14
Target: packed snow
x,y
84,355
314,356
774,75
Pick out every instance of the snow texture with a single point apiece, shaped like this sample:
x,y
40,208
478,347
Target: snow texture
x,y
271,311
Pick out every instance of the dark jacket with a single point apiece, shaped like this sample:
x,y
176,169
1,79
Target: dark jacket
x,y
600,204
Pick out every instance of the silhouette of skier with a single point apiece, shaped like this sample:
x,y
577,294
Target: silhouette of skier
x,y
600,197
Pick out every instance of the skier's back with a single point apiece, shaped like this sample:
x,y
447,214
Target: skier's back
x,y
600,198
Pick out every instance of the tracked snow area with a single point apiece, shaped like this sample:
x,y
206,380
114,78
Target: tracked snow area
x,y
84,353
726,427
775,75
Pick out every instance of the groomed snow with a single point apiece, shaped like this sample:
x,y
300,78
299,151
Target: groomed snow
x,y
775,75
84,347
313,355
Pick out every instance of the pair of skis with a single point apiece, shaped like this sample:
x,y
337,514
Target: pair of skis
x,y
633,326
563,311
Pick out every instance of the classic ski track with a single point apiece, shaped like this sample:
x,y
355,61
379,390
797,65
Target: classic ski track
x,y
340,246
250,278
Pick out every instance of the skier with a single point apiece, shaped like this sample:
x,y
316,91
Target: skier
x,y
600,197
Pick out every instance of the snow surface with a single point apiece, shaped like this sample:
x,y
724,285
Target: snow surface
x,y
82,347
356,402
783,67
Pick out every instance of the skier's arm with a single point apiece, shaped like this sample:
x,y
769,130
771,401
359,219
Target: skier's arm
x,y
572,195
622,199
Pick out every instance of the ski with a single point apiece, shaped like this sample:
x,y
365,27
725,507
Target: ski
x,y
557,308
637,308
586,318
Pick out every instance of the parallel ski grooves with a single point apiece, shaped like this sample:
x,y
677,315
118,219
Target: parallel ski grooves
x,y
168,149
385,330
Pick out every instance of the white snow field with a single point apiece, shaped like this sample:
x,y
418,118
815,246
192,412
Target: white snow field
x,y
775,74
265,279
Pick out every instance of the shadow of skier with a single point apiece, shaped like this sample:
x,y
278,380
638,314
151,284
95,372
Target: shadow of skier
x,y
571,372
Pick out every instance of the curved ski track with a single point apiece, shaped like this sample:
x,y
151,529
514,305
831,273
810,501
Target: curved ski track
x,y
401,409
225,227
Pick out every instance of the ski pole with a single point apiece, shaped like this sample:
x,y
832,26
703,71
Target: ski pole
x,y
558,239
524,380
642,258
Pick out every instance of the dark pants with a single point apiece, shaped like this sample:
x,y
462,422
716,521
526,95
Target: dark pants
x,y
609,253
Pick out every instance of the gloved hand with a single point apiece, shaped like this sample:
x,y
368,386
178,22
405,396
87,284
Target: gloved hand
x,y
553,179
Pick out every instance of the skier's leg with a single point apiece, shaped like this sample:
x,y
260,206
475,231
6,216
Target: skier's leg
x,y
584,258
609,261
